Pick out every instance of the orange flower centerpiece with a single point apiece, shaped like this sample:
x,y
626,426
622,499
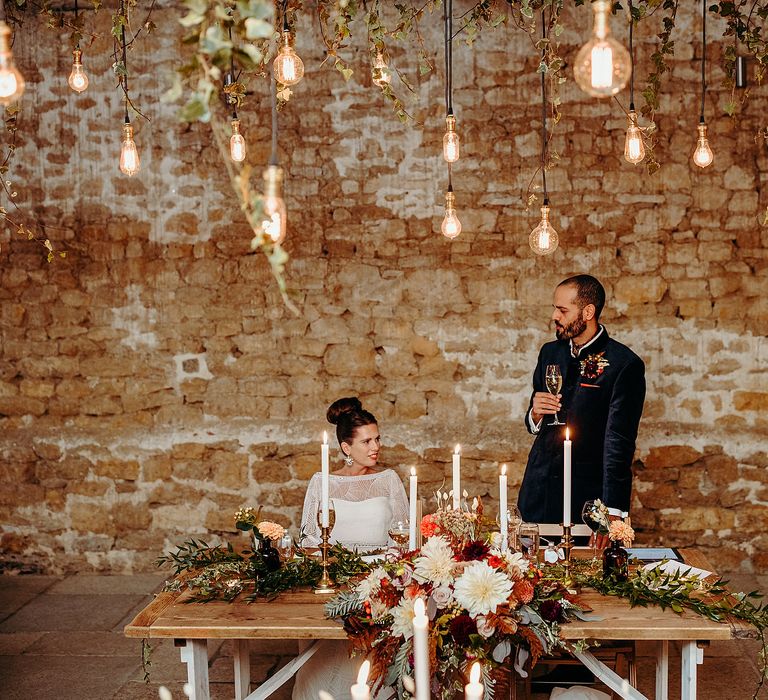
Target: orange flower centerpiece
x,y
483,604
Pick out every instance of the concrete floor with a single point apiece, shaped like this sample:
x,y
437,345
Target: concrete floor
x,y
61,637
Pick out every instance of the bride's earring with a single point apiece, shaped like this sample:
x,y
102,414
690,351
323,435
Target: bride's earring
x,y
348,460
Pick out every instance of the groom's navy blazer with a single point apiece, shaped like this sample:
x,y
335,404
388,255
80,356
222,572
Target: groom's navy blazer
x,y
602,407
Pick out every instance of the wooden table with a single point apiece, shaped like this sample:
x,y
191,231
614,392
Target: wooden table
x,y
299,615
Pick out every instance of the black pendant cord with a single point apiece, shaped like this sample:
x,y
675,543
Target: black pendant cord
x,y
286,28
448,26
544,117
703,57
273,101
77,47
231,76
125,58
631,61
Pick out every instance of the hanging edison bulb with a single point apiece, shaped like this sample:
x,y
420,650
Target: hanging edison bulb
x,y
451,226
603,66
129,154
703,155
273,206
450,140
634,148
287,66
544,239
77,80
11,81
236,143
380,71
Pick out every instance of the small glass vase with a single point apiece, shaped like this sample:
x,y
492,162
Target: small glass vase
x,y
269,555
615,560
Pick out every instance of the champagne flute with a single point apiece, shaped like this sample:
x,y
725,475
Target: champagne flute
x,y
588,516
529,541
399,531
554,382
514,519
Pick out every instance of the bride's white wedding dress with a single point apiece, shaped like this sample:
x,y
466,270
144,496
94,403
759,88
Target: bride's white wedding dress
x,y
365,506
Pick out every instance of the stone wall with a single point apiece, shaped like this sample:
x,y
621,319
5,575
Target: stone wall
x,y
153,381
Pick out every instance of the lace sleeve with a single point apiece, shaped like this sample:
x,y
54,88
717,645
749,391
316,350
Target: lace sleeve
x,y
309,528
397,497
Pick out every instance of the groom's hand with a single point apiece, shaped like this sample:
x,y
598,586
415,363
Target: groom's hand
x,y
544,404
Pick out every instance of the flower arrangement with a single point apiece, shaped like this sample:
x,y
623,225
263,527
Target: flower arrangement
x,y
621,531
247,519
592,366
483,604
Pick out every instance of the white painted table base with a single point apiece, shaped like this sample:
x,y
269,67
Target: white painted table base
x,y
195,654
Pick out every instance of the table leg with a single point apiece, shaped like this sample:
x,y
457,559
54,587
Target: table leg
x,y
692,656
195,654
242,669
662,670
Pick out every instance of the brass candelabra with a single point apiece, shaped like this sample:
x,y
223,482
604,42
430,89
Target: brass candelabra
x,y
326,583
567,545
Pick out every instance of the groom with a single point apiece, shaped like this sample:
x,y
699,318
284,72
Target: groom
x,y
601,402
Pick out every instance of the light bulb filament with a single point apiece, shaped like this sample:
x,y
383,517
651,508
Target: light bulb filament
x,y
451,226
77,80
237,143
703,155
450,140
11,81
602,66
129,154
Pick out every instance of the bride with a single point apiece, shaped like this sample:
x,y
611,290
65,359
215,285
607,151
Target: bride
x,y
366,500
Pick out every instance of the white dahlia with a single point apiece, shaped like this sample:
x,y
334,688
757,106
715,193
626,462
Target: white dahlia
x,y
435,563
481,588
371,584
402,623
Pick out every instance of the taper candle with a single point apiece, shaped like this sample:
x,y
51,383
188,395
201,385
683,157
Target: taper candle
x,y
457,477
360,690
567,478
503,524
324,480
420,650
412,517
474,689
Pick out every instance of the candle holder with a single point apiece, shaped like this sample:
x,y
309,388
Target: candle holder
x,y
567,545
325,584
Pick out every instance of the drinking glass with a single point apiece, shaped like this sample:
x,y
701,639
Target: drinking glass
x,y
399,531
554,382
285,547
513,525
529,541
587,515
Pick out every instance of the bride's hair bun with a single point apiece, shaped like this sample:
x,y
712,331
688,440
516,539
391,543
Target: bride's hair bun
x,y
348,415
340,407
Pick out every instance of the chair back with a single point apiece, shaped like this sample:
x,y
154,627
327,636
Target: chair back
x,y
555,530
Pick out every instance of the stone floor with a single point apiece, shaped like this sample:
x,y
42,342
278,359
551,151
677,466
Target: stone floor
x,y
61,637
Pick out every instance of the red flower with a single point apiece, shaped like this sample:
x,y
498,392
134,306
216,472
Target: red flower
x,y
495,561
428,527
523,590
551,611
461,627
474,551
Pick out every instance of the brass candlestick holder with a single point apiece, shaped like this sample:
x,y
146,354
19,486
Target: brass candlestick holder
x,y
325,584
567,545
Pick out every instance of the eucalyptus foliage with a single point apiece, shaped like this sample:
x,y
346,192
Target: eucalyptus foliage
x,y
222,572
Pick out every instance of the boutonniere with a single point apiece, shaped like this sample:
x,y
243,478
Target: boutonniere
x,y
592,366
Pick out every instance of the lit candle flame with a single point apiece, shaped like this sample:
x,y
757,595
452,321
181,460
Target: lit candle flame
x,y
503,469
413,471
325,437
474,674
567,433
418,608
457,449
362,674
